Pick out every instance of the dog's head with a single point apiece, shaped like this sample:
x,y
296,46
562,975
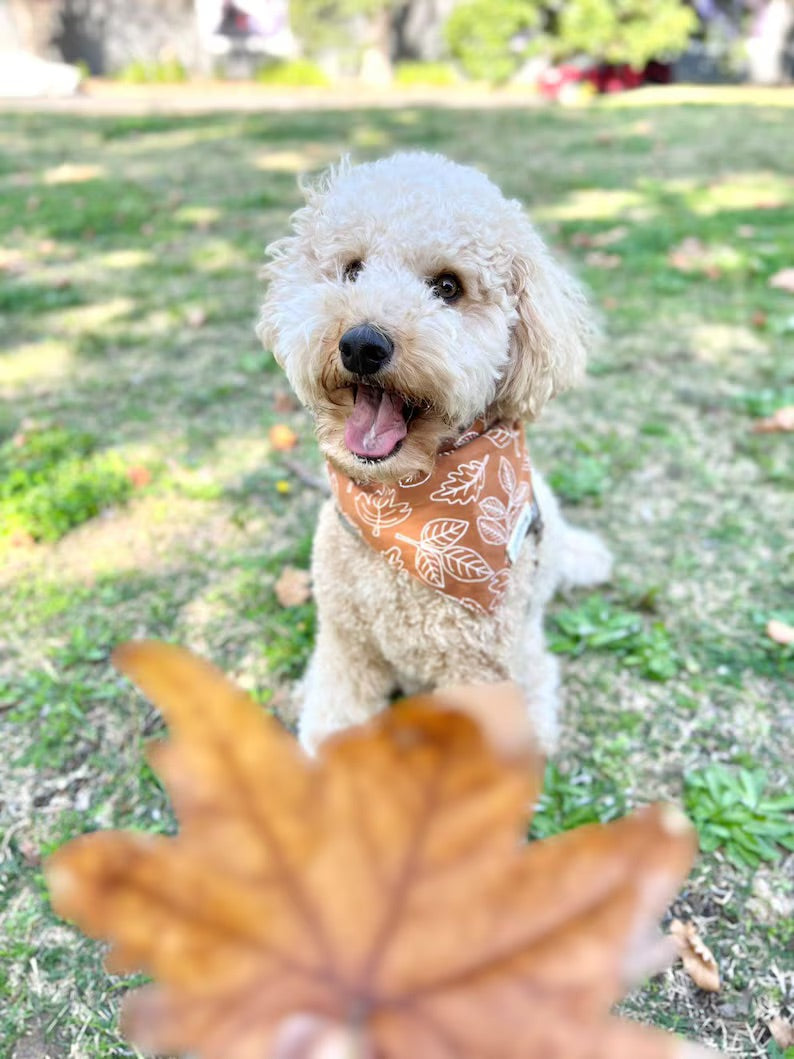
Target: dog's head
x,y
411,299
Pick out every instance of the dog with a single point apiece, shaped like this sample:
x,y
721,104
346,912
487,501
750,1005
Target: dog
x,y
420,318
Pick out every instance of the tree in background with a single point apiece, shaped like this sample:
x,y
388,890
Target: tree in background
x,y
346,28
493,38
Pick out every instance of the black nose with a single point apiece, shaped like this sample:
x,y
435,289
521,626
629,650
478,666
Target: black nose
x,y
365,350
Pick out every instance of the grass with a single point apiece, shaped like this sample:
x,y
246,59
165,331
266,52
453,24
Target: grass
x,y
130,247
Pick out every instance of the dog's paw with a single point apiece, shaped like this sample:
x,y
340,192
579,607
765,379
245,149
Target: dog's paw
x,y
585,561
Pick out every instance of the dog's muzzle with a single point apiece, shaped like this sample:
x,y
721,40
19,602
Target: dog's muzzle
x,y
365,350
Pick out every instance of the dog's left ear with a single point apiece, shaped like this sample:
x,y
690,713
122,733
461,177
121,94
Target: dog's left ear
x,y
554,331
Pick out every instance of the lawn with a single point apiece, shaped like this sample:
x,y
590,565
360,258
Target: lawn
x,y
140,494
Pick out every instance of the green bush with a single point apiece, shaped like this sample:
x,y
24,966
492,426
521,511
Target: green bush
x,y
493,38
633,31
161,72
53,480
732,811
598,625
480,34
435,75
299,73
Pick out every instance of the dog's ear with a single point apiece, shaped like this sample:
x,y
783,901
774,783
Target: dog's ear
x,y
553,333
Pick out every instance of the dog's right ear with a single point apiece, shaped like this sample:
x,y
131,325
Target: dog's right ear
x,y
554,331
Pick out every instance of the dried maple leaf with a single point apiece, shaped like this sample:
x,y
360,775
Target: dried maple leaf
x,y
697,958
293,586
376,901
282,437
782,1032
780,422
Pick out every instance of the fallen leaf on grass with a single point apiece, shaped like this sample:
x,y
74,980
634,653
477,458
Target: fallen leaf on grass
x,y
782,1032
139,475
293,586
783,280
780,632
781,421
377,900
698,961
599,259
282,437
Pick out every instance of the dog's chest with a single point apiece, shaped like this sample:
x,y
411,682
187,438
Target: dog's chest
x,y
427,638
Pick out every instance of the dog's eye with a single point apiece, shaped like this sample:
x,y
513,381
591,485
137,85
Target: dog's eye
x,y
446,286
352,270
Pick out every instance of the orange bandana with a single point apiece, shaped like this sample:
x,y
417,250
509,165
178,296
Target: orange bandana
x,y
459,528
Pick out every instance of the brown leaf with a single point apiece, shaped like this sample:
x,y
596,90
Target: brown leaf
x,y
139,475
598,259
782,1032
610,236
293,587
688,255
699,963
376,901
783,280
282,437
780,632
781,421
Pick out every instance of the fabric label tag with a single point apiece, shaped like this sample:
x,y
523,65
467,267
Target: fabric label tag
x,y
520,531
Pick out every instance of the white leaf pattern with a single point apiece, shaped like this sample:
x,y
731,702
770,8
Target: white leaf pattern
x,y
464,484
491,531
507,476
430,568
441,533
381,510
464,564
492,507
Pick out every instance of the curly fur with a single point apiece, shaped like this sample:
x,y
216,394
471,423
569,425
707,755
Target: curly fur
x,y
517,336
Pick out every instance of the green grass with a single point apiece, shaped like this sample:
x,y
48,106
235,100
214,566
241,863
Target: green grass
x,y
129,250
52,480
733,812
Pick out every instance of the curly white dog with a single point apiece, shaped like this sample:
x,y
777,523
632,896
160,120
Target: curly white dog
x,y
419,316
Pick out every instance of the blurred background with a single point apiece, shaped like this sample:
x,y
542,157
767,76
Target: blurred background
x,y
559,48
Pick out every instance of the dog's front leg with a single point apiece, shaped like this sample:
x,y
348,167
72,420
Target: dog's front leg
x,y
345,684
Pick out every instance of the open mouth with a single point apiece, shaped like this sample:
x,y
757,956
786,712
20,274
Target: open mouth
x,y
378,424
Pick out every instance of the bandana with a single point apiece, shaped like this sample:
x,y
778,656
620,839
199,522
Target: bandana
x,y
459,528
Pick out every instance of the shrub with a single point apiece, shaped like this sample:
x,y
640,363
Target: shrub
x,y
53,480
436,75
299,73
482,35
493,38
161,72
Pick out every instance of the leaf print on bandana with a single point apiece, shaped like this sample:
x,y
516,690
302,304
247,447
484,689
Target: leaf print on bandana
x,y
394,558
507,477
381,510
438,554
464,484
497,520
457,529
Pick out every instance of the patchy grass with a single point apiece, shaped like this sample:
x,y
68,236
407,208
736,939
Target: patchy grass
x,y
129,248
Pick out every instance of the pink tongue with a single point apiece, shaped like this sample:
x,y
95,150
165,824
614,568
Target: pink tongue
x,y
376,425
